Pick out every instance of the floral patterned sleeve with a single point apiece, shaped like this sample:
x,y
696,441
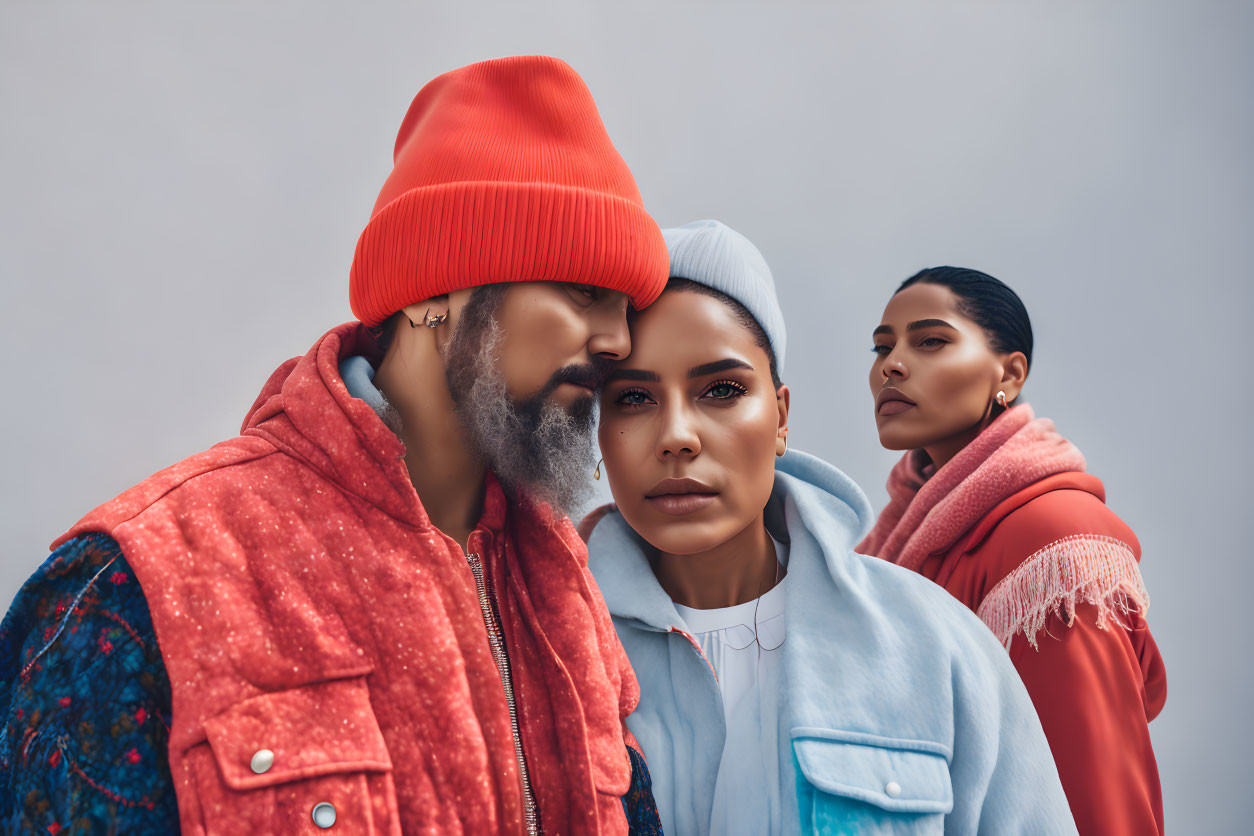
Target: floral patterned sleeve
x,y
84,701
638,803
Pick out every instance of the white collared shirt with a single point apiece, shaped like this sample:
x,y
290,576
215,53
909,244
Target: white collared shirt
x,y
742,644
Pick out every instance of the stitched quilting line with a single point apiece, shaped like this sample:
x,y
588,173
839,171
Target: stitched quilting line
x,y
68,613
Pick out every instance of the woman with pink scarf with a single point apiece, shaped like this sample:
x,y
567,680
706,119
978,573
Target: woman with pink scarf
x,y
994,505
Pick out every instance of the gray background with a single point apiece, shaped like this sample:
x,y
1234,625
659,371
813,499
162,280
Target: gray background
x,y
181,189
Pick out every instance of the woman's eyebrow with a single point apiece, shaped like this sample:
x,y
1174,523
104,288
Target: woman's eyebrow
x,y
928,323
632,374
913,326
718,366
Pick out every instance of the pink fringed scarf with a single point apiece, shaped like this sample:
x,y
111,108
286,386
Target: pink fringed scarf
x,y
927,512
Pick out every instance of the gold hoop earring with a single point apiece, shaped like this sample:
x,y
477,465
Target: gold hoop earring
x,y
1001,398
433,321
596,474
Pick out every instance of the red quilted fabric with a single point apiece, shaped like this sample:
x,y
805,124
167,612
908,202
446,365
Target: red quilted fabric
x,y
304,604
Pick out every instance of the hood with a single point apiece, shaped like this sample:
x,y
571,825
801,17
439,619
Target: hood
x,y
837,514
305,410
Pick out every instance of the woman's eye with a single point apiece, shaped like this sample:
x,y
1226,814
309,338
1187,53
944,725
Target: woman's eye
x,y
881,349
632,397
725,390
932,342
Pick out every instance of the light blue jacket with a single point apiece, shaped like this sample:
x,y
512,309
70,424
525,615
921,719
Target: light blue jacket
x,y
903,711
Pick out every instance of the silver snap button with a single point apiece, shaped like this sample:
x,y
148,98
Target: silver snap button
x,y
893,788
262,760
323,815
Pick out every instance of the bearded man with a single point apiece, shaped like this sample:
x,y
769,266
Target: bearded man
x,y
369,611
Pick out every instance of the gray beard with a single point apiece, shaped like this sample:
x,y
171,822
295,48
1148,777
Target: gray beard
x,y
534,446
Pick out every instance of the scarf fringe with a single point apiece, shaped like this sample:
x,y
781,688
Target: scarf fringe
x,y
1080,569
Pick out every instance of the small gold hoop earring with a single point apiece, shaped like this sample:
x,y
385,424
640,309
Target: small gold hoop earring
x,y
596,474
1001,398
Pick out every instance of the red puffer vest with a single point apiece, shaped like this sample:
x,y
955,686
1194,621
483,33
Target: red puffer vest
x,y
306,608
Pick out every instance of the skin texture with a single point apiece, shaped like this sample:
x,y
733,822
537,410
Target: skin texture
x,y
723,428
547,326
551,325
947,368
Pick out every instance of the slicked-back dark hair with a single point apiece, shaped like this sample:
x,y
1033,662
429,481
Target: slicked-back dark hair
x,y
986,301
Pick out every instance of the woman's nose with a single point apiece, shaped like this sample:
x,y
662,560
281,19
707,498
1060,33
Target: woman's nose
x,y
678,436
894,368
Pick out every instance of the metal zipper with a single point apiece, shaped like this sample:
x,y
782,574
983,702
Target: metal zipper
x,y
497,643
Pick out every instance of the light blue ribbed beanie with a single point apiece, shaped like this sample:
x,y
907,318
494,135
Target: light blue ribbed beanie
x,y
715,255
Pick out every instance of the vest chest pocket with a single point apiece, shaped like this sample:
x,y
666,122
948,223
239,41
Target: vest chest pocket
x,y
307,760
850,782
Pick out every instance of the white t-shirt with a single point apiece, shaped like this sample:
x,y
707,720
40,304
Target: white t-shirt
x,y
746,662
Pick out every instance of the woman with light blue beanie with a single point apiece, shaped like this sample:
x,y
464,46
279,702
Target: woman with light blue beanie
x,y
788,685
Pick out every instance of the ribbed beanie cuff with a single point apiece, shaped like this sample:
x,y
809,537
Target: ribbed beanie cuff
x,y
442,238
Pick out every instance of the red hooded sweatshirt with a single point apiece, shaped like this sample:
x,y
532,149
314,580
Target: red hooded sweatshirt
x,y
306,607
1015,529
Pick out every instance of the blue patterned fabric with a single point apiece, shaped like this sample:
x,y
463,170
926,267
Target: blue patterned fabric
x,y
85,704
642,815
85,701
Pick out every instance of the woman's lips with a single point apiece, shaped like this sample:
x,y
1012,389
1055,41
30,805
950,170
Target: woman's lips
x,y
892,407
678,504
890,401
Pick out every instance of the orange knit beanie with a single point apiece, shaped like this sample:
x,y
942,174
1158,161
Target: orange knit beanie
x,y
504,172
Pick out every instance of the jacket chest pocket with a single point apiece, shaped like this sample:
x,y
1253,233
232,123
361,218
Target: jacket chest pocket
x,y
850,782
307,760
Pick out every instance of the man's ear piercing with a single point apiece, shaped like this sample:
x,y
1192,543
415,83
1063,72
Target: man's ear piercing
x,y
431,321
1001,398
